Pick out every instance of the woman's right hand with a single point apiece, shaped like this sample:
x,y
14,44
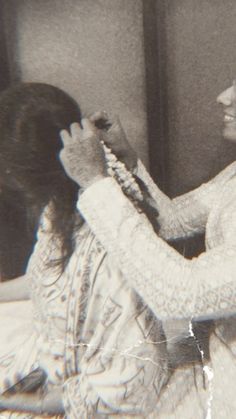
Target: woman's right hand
x,y
83,156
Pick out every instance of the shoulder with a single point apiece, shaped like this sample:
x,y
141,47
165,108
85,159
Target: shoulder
x,y
223,177
228,172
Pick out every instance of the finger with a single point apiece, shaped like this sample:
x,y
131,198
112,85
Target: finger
x,y
96,116
65,137
88,125
89,129
100,120
76,131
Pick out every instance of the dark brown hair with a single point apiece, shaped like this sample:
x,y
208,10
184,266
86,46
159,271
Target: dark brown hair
x,y
31,117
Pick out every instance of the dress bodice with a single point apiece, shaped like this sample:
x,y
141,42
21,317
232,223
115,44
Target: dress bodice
x,y
50,294
84,315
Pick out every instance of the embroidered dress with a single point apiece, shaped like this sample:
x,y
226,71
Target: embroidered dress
x,y
174,287
93,334
17,343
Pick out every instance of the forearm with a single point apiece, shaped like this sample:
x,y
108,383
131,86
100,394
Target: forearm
x,y
170,284
14,290
180,217
50,404
161,199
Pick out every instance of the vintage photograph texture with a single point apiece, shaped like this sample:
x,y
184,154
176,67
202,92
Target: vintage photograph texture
x,y
117,209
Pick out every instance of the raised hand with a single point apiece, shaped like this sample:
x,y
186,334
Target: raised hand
x,y
83,156
115,138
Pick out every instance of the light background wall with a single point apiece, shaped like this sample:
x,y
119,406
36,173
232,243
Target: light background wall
x,y
198,53
91,49
95,50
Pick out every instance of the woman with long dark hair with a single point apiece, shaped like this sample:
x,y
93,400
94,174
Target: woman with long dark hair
x,y
95,349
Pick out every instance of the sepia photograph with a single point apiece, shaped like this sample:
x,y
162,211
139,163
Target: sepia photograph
x,y
117,209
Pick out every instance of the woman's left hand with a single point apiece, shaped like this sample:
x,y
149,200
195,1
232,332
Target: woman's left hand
x,y
83,156
114,137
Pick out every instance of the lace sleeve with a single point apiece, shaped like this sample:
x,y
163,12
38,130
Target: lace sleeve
x,y
170,284
187,214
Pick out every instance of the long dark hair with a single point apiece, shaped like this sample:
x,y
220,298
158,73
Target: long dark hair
x,y
31,117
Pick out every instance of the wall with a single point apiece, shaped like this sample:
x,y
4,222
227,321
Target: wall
x,y
198,58
95,51
92,49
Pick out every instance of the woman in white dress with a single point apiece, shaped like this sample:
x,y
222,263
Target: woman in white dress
x,y
91,348
174,287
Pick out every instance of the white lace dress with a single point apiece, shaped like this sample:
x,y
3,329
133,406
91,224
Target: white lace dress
x,y
174,287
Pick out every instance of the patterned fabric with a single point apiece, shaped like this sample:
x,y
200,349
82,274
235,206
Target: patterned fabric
x,y
17,348
187,215
92,334
173,286
18,352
